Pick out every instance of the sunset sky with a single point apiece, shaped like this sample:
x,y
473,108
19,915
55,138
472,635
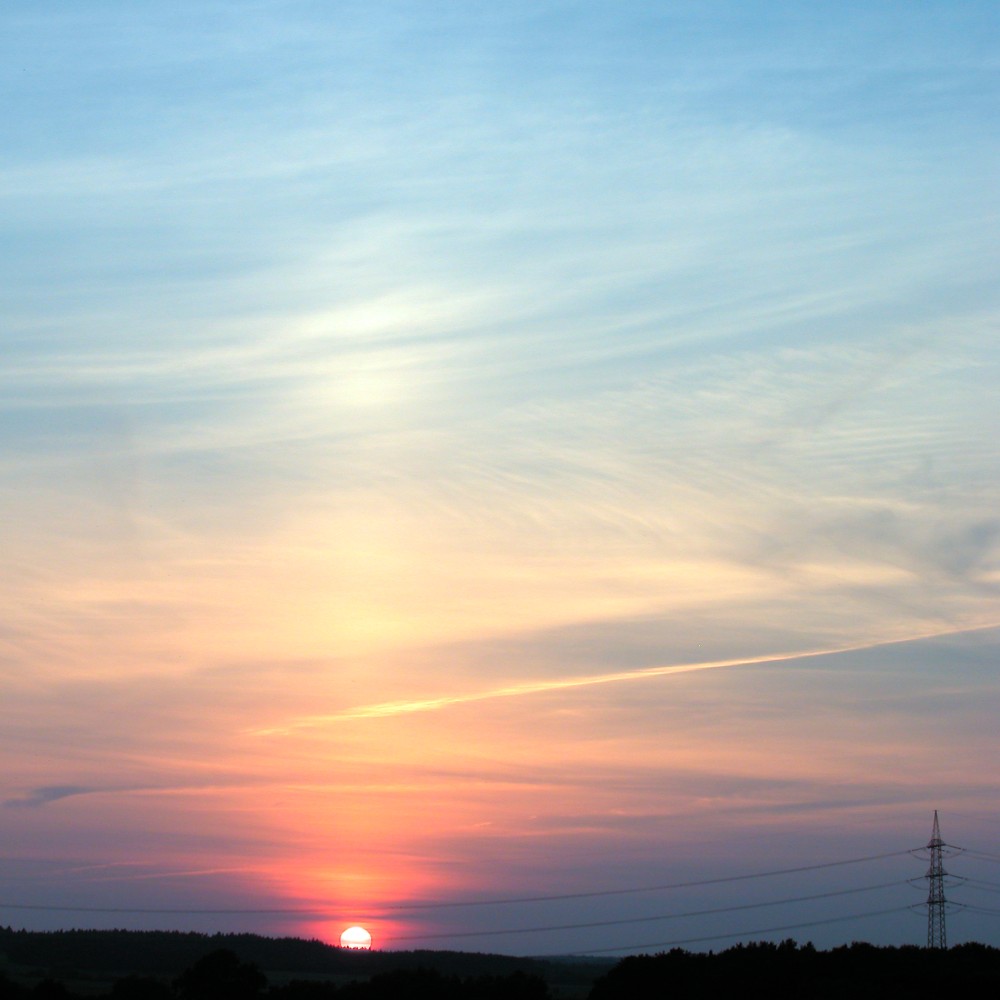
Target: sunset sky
x,y
456,452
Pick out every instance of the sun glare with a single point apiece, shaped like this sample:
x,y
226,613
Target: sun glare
x,y
356,937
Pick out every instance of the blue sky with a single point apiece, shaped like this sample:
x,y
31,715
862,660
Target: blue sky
x,y
416,354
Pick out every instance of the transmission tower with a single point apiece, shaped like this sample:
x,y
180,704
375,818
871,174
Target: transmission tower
x,y
937,936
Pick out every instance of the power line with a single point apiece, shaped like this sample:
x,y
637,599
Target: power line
x,y
594,894
982,855
742,934
982,886
442,905
980,909
643,920
646,888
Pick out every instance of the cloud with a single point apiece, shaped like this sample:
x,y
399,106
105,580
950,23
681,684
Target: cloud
x,y
407,707
47,794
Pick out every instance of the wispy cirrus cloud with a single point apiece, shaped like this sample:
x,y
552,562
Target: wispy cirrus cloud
x,y
427,386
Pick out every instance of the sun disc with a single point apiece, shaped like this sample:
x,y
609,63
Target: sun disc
x,y
356,937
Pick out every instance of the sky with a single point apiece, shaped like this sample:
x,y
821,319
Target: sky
x,y
522,456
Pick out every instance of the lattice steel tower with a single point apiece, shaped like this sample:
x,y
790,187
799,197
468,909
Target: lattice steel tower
x,y
937,936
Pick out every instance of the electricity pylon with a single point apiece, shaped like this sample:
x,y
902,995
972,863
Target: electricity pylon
x,y
937,936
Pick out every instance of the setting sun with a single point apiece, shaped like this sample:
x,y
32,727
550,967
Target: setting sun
x,y
356,937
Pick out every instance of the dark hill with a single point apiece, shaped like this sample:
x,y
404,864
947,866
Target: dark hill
x,y
107,955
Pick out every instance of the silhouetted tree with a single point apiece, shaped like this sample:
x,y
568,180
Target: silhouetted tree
x,y
516,986
405,984
220,975
9,990
50,989
303,989
140,988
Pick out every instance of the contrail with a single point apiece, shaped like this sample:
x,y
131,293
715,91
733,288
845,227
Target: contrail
x,y
385,709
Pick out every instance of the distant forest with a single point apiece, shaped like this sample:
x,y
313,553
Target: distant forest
x,y
155,965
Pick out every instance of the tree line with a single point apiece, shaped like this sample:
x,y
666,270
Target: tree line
x,y
788,971
221,975
853,972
